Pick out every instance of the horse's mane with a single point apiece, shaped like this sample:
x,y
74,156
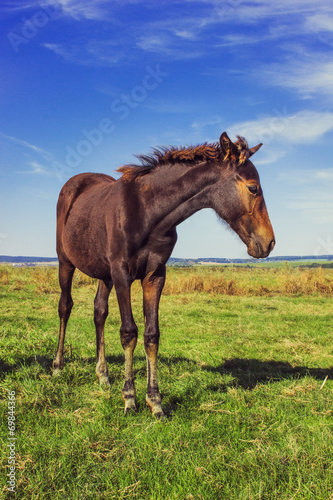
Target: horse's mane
x,y
172,155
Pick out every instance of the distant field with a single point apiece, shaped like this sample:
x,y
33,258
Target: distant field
x,y
277,264
246,374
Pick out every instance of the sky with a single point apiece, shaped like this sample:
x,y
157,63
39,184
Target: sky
x,y
86,85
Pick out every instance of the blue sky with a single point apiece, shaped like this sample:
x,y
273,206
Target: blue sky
x,y
88,84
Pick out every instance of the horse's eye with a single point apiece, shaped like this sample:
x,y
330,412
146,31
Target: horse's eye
x,y
253,189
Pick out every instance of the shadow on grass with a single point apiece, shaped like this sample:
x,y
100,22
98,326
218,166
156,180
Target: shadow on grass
x,y
45,362
249,372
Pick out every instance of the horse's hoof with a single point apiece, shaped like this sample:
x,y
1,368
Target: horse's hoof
x,y
155,408
104,381
130,406
159,414
56,372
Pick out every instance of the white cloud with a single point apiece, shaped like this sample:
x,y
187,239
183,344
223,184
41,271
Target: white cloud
x,y
319,23
94,52
169,45
78,9
37,168
186,34
318,179
153,43
9,7
58,49
26,144
315,207
258,10
269,156
300,128
282,131
325,175
199,125
309,77
234,39
34,153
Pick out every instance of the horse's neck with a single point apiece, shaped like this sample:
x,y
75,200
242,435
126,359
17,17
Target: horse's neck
x,y
172,194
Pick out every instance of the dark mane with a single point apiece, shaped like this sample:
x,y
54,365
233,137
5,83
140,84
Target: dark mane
x,y
171,155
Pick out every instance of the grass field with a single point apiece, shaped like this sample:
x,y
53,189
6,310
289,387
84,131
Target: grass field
x,y
246,374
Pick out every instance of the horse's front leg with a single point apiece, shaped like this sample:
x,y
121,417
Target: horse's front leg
x,y
128,335
152,288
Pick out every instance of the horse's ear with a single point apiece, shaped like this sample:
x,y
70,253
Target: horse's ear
x,y
228,149
254,149
225,143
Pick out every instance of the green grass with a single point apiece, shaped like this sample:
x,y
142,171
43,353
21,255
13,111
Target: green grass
x,y
243,356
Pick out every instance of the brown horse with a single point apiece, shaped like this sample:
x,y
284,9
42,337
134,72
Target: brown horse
x,y
122,230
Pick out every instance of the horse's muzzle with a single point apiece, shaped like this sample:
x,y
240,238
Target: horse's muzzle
x,y
259,250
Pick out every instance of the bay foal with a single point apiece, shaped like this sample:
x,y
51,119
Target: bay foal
x,y
121,230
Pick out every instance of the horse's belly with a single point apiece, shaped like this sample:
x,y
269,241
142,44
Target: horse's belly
x,y
85,246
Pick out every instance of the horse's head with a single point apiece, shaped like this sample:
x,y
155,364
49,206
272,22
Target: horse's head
x,y
239,200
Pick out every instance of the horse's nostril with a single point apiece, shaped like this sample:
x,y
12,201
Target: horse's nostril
x,y
271,246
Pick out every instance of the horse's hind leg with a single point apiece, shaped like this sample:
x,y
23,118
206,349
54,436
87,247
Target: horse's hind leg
x,y
101,310
66,271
